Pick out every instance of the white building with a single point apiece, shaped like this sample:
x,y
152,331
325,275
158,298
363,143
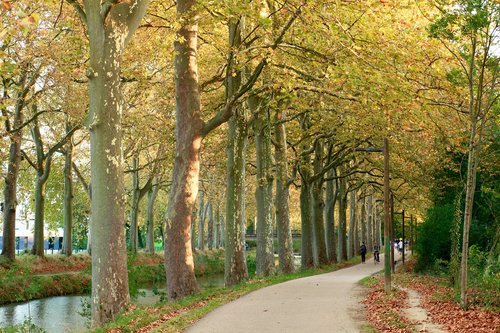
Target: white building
x,y
25,223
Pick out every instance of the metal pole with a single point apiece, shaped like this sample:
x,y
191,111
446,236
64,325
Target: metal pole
x,y
393,235
412,231
387,220
416,231
403,225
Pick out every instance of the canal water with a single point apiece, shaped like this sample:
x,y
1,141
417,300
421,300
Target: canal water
x,y
61,314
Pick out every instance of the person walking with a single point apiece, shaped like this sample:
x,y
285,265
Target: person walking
x,y
376,254
363,252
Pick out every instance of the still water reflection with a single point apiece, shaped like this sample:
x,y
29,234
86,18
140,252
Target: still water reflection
x,y
61,314
53,314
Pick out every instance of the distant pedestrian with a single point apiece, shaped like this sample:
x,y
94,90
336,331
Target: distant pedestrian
x,y
363,252
376,253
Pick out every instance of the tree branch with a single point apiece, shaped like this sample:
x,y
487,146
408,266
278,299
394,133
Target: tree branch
x,y
55,148
137,11
227,111
26,157
79,10
86,185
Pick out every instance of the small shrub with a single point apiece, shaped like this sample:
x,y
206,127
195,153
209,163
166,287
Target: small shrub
x,y
484,278
86,310
434,237
251,265
26,327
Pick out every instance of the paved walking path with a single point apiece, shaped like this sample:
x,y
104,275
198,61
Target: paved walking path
x,y
316,304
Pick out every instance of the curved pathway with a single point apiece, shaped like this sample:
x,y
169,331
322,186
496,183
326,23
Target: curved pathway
x,y
315,304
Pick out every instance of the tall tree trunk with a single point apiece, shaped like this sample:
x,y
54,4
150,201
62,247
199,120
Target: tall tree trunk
x,y
152,195
307,250
369,219
202,213
179,260
42,175
67,247
10,189
193,229
307,259
317,208
342,219
352,225
264,188
38,242
469,202
222,232
282,202
331,200
210,227
137,194
377,218
110,26
134,209
455,240
217,234
362,221
235,261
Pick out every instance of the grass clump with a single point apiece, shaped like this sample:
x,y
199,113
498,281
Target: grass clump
x,y
369,281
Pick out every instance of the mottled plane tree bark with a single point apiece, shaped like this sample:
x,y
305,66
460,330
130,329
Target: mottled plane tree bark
x,y
235,269
362,222
369,222
307,254
179,262
352,224
342,240
264,188
110,27
331,200
317,207
282,201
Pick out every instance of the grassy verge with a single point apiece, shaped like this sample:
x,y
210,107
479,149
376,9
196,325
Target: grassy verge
x,y
25,287
30,277
176,316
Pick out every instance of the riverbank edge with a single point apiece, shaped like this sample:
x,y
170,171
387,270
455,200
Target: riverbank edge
x,y
22,283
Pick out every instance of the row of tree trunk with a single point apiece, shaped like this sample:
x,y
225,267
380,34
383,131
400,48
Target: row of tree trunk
x,y
214,236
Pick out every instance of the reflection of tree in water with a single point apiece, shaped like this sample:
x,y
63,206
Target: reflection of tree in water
x,y
39,312
8,315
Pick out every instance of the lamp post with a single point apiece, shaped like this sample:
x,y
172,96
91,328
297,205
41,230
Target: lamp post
x,y
403,225
380,239
412,230
391,231
387,217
